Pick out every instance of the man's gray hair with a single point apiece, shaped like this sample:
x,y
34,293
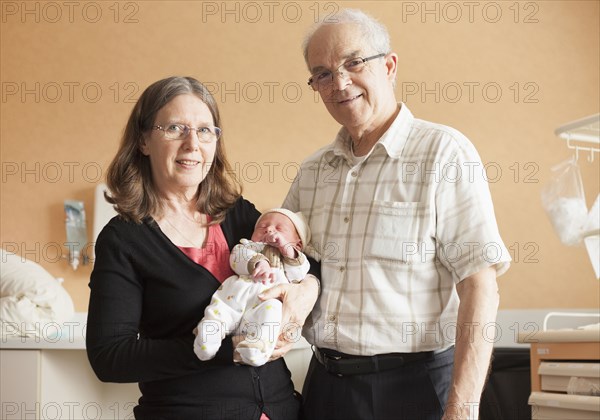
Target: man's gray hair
x,y
375,32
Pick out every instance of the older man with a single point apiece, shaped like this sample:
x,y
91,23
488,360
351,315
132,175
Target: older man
x,y
403,220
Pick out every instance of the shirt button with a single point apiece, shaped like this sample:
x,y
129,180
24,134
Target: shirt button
x,y
353,174
342,269
332,318
346,219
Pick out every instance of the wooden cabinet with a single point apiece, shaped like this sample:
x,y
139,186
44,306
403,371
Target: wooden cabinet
x,y
578,347
581,351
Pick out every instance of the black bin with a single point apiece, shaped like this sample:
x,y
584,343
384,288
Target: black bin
x,y
507,391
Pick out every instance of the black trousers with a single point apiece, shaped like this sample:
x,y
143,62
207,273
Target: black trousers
x,y
417,390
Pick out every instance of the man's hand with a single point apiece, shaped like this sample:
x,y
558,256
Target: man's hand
x,y
298,301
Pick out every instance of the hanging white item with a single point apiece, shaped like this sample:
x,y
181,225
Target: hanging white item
x,y
563,199
591,236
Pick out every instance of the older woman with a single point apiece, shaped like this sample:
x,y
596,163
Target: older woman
x,y
158,263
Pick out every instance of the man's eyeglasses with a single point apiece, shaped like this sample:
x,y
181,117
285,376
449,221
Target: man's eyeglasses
x,y
324,79
181,131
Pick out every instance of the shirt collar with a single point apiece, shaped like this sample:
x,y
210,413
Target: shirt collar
x,y
393,140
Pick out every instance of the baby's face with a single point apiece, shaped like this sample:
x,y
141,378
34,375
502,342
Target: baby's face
x,y
276,229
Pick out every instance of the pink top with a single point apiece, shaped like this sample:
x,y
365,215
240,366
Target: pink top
x,y
214,256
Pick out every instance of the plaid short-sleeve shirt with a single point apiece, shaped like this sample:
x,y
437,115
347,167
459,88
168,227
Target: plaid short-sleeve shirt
x,y
395,233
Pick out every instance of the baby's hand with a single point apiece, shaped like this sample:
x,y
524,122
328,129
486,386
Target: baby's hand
x,y
286,249
263,272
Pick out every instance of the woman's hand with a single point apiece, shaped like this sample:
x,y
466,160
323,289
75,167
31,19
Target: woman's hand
x,y
298,301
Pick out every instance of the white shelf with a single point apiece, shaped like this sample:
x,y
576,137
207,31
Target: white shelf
x,y
68,335
582,135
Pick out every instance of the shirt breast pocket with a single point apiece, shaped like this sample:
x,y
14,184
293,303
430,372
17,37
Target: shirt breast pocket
x,y
396,233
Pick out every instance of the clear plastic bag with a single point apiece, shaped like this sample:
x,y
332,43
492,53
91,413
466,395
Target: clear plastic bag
x,y
591,236
564,201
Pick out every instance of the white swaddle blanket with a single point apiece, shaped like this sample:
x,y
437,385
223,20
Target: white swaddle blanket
x,y
30,297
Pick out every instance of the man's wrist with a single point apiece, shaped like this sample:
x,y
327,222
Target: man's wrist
x,y
461,410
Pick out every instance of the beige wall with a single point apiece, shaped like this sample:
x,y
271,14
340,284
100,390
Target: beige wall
x,y
69,73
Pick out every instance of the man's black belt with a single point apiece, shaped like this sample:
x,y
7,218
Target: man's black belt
x,y
345,364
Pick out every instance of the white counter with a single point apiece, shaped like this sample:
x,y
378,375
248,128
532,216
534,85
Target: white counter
x,y
69,335
49,376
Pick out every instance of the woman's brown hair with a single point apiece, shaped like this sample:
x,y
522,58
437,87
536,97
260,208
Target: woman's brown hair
x,y
129,177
